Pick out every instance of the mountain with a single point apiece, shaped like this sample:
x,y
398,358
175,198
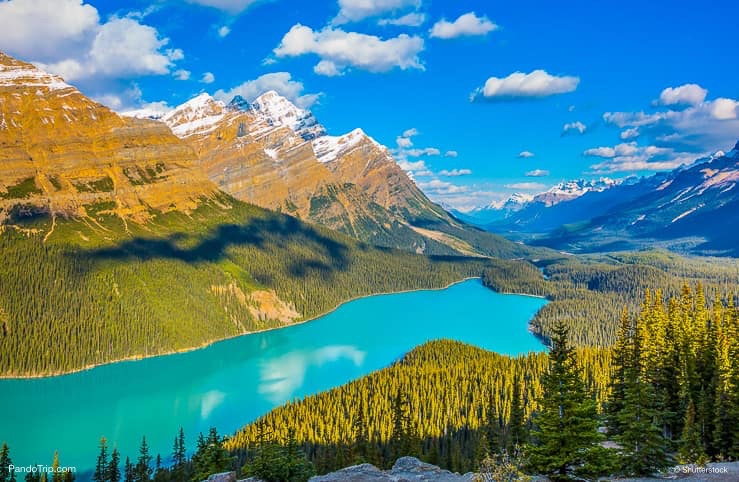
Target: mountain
x,y
115,243
276,155
687,210
66,155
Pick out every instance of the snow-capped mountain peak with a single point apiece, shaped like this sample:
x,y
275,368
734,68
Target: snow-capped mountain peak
x,y
15,73
281,112
199,115
329,148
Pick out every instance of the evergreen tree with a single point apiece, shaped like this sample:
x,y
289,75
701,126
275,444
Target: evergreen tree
x,y
129,471
179,458
114,470
56,476
6,475
142,471
32,477
691,449
644,448
517,433
101,468
565,437
297,466
210,456
161,474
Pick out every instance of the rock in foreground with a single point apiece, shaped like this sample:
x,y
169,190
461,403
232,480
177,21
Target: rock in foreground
x,y
405,469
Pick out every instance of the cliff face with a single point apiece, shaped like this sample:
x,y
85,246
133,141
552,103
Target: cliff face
x,y
276,155
61,152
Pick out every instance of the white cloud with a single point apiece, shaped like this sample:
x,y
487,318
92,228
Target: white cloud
x,y
224,31
707,126
630,133
426,151
466,25
537,173
436,187
520,85
455,172
44,30
327,68
351,49
208,78
527,186
355,10
281,82
404,142
451,154
525,154
629,156
181,74
66,37
232,7
413,19
415,168
574,126
688,94
410,132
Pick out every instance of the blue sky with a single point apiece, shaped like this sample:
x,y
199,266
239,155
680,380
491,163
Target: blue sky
x,y
477,86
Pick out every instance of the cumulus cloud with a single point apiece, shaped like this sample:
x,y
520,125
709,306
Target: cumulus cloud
x,y
630,133
66,37
537,173
688,94
468,24
339,50
436,187
451,154
426,151
281,82
181,74
413,19
626,157
415,168
232,7
698,128
208,78
525,154
527,186
576,126
455,172
538,83
224,31
355,10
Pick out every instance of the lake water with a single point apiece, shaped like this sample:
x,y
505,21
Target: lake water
x,y
233,382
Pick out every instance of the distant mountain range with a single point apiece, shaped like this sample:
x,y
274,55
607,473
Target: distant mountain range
x,y
692,209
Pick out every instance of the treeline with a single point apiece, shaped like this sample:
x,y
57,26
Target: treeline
x,y
99,290
440,402
667,392
589,293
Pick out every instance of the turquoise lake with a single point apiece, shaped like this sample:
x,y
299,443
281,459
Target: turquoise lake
x,y
233,382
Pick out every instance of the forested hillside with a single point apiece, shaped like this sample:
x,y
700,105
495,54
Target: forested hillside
x,y
590,292
103,289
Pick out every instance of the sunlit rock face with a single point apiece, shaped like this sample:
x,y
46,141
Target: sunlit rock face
x,y
276,155
61,152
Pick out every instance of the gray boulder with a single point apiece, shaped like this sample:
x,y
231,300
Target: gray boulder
x,y
406,469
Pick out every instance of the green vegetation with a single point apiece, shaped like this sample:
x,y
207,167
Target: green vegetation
x,y
22,190
447,402
105,290
669,388
101,185
590,292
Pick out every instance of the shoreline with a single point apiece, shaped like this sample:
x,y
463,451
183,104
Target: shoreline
x,y
213,342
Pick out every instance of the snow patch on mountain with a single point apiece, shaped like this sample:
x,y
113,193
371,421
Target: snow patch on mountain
x,y
22,75
281,112
330,148
199,115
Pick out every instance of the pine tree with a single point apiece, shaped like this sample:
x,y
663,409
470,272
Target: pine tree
x,y
129,471
298,468
691,447
644,448
565,437
56,476
161,474
101,468
517,434
114,470
210,457
360,448
6,475
179,458
142,471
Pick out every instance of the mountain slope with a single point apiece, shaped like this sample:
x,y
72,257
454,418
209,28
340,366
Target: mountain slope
x,y
690,209
116,245
276,155
60,153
